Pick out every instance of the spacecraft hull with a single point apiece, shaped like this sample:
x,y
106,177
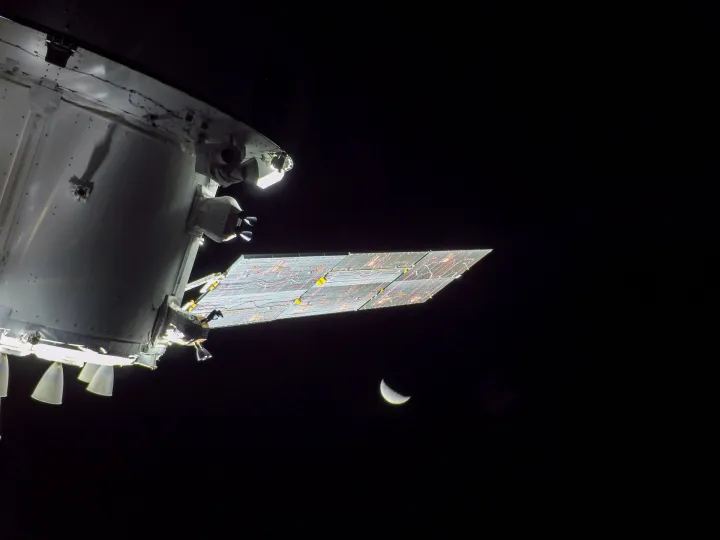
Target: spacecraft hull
x,y
99,173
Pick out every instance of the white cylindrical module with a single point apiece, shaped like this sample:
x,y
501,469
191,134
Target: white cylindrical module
x,y
101,171
98,237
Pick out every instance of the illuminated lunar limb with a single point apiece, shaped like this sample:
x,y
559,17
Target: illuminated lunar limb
x,y
391,396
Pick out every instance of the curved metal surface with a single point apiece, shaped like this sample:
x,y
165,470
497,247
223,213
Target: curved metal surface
x,y
101,265
127,92
263,289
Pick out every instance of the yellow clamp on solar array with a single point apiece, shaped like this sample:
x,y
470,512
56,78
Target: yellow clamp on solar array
x,y
191,305
298,301
320,282
213,286
405,271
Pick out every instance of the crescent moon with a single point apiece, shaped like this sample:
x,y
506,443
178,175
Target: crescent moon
x,y
391,396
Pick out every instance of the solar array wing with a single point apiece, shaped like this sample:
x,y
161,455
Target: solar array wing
x,y
429,275
262,289
444,264
403,293
377,261
342,291
259,289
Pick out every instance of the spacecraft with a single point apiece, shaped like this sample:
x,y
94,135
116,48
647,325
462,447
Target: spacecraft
x,y
109,185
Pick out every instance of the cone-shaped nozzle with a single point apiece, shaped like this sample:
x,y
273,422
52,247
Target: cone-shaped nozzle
x,y
201,353
246,235
4,374
50,388
252,221
102,382
88,372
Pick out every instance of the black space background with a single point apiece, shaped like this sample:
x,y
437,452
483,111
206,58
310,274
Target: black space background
x,y
581,147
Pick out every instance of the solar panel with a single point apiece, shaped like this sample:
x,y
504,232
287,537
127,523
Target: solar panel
x,y
276,274
444,264
240,317
261,289
362,277
343,291
404,293
376,261
238,309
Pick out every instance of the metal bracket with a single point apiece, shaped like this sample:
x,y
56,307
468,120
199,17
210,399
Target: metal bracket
x,y
59,50
81,189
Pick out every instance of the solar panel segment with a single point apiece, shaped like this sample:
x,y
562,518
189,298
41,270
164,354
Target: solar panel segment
x,y
266,288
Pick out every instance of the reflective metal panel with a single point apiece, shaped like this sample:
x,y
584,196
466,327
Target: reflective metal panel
x,y
226,300
100,264
444,264
403,293
275,274
242,316
362,277
14,114
105,83
376,261
244,308
340,292
327,299
258,289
